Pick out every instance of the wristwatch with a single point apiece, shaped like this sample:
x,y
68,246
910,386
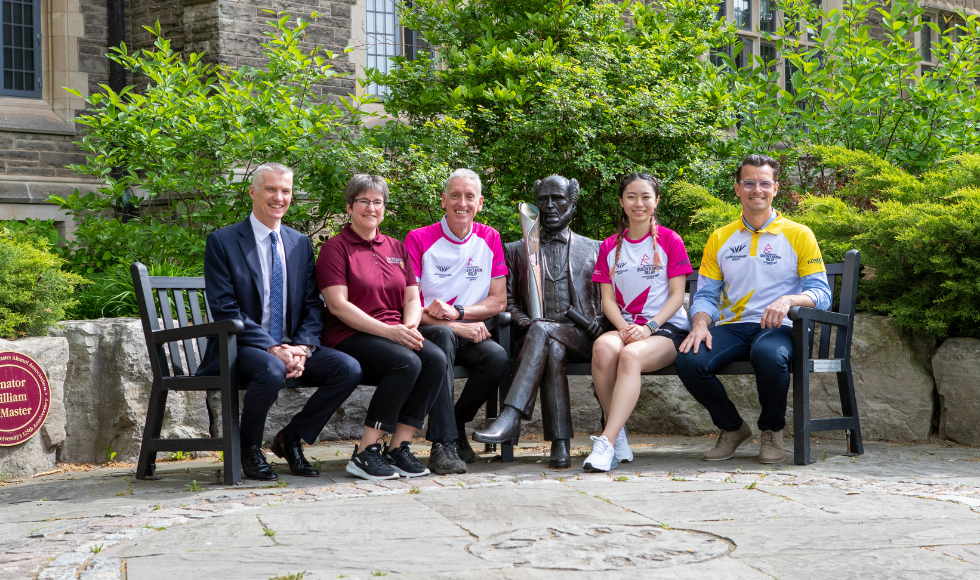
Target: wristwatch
x,y
460,310
653,326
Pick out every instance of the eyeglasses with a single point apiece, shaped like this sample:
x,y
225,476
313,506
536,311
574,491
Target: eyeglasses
x,y
749,185
363,202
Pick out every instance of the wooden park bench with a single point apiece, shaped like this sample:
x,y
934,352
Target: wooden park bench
x,y
175,352
806,361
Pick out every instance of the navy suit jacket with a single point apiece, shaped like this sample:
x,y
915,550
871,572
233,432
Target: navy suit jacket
x,y
232,276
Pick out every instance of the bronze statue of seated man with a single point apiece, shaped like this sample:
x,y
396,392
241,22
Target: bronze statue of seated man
x,y
567,263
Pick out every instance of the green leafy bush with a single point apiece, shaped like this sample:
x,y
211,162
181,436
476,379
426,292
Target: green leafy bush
x,y
845,87
111,293
919,237
589,90
34,292
181,152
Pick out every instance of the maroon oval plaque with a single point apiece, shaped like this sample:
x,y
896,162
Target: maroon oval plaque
x,y
24,398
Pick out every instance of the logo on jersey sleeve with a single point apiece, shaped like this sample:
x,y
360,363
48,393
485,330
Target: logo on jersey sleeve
x,y
472,270
770,258
649,270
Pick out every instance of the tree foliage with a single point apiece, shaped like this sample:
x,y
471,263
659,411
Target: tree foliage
x,y
591,90
845,87
176,158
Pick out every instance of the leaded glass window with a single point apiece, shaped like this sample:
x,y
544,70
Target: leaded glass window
x,y
21,56
383,38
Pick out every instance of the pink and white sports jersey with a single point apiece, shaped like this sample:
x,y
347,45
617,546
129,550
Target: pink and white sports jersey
x,y
453,270
640,283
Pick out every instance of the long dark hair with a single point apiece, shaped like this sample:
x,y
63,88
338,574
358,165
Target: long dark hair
x,y
624,220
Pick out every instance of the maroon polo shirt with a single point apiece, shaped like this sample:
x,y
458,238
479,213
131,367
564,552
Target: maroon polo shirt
x,y
376,273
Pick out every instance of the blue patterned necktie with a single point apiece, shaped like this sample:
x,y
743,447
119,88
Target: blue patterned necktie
x,y
275,293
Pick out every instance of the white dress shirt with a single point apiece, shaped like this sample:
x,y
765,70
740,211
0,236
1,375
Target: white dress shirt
x,y
264,246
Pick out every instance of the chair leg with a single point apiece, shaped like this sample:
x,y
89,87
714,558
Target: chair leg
x,y
230,445
155,409
507,452
848,404
801,399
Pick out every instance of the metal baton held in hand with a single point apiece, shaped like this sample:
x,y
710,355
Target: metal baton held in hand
x,y
531,229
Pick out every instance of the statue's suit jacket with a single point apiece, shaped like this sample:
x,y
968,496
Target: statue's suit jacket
x,y
232,276
584,293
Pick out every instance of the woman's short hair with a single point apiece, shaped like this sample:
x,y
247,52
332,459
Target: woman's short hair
x,y
464,173
362,182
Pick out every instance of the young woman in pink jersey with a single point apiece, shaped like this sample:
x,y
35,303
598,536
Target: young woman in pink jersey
x,y
641,271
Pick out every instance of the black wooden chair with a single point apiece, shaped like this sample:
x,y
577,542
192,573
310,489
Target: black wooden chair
x,y
175,352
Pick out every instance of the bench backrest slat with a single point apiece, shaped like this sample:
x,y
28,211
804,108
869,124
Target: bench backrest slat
x,y
848,298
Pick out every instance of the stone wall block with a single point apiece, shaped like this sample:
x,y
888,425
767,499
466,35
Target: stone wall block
x,y
108,388
39,453
957,368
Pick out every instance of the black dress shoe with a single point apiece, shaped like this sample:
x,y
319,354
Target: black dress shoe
x,y
505,429
560,456
293,454
254,465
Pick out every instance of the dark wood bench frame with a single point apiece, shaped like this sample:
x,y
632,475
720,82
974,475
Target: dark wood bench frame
x,y
174,360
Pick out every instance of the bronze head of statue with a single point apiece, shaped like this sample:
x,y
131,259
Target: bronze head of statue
x,y
556,197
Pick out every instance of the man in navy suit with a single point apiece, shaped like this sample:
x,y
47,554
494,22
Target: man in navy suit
x,y
264,274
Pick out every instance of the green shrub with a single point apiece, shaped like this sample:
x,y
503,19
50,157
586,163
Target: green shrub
x,y
182,151
852,88
34,292
112,294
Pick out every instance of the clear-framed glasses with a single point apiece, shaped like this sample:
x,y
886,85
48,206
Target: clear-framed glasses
x,y
750,185
364,202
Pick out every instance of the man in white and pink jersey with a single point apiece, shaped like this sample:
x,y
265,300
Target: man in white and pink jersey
x,y
462,281
639,281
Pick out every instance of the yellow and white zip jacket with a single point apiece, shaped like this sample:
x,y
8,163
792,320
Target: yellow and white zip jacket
x,y
754,268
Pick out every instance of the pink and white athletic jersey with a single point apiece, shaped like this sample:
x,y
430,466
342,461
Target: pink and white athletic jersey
x,y
453,270
640,283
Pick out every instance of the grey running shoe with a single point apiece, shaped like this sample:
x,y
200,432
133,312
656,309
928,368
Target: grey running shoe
x,y
443,459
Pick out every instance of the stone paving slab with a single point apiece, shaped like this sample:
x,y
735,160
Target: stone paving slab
x,y
896,512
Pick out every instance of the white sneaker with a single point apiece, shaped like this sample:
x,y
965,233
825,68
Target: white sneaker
x,y
603,456
623,452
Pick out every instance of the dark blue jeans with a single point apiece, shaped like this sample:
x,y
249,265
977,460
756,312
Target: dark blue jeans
x,y
770,351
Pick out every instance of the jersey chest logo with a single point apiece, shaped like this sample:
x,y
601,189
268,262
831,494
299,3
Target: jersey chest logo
x,y
442,271
736,253
472,270
768,255
649,270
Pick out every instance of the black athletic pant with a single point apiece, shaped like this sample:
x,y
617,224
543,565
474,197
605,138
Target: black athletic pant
x,y
408,381
488,361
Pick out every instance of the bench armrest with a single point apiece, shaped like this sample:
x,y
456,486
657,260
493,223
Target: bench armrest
x,y
234,326
806,314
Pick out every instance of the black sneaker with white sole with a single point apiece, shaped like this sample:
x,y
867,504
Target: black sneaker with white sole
x,y
369,464
403,462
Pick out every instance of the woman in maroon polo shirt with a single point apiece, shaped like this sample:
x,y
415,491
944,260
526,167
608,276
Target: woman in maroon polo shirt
x,y
373,313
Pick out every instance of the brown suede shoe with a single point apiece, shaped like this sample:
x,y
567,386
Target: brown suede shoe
x,y
771,447
728,442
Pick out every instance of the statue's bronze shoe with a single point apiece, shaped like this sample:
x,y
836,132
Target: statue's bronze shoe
x,y
560,454
505,429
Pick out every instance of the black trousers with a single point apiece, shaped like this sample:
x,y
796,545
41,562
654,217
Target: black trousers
x,y
547,346
408,381
488,361
336,373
